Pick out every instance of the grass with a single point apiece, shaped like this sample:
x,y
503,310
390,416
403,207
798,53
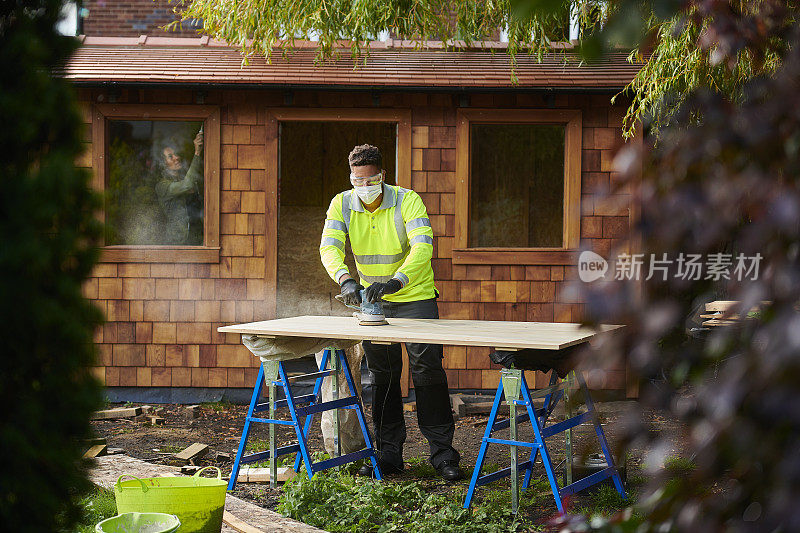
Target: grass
x,y
217,406
339,502
97,506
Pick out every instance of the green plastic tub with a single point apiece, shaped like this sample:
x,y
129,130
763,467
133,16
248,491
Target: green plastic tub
x,y
198,502
139,523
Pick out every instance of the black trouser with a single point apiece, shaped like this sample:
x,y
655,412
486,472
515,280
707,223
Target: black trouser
x,y
430,385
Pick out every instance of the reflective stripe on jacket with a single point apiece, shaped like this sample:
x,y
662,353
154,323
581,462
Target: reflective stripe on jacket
x,y
396,241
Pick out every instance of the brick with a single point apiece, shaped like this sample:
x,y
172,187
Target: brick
x,y
128,355
416,159
191,354
448,160
607,160
455,357
163,332
125,332
161,377
109,289
240,180
592,227
133,270
490,379
229,156
488,289
155,355
208,355
230,201
156,310
607,138
493,311
138,289
166,289
241,134
193,333
118,310
181,311
104,354
127,376
217,377
175,355
252,156
236,377
470,291
105,270
542,291
237,245
144,377
244,311
189,289
199,377
441,181
162,271
234,355
230,289
447,203
431,159
615,227
112,376
419,180
181,377
206,311
253,202
136,311
469,379
143,332
419,136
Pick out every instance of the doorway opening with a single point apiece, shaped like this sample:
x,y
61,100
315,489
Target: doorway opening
x,y
312,170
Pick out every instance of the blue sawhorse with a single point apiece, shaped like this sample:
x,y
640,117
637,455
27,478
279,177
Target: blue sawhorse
x,y
513,383
300,407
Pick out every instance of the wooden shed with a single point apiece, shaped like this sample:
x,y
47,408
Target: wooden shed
x,y
509,173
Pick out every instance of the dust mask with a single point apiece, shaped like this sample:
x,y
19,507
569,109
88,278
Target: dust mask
x,y
369,193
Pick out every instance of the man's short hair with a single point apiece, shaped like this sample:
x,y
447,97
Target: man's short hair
x,y
365,154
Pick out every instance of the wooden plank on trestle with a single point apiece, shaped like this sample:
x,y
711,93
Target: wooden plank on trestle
x,y
122,412
194,451
539,335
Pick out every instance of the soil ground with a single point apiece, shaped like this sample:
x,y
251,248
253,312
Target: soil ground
x,y
220,427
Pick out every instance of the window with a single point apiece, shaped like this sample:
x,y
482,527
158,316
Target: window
x,y
518,186
159,171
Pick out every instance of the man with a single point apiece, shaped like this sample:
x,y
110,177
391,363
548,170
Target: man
x,y
180,194
392,241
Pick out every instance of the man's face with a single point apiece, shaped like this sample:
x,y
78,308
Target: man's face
x,y
171,160
359,174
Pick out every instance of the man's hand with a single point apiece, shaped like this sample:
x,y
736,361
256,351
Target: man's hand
x,y
377,289
198,143
350,292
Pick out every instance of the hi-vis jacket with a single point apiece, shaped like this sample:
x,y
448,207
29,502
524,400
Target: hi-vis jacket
x,y
396,241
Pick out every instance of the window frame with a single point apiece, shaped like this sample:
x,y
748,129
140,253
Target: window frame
x,y
571,119
208,252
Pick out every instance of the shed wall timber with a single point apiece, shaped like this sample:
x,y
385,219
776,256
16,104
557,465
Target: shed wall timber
x,y
162,318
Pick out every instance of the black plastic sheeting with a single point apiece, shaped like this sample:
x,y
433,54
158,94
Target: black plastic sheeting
x,y
562,361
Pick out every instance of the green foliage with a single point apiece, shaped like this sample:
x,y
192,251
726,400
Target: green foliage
x,y
48,237
259,26
95,507
337,501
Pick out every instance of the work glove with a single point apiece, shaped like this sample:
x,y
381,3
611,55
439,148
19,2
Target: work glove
x,y
350,292
375,291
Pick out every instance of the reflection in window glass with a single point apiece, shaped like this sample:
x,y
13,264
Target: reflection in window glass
x,y
516,185
154,189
